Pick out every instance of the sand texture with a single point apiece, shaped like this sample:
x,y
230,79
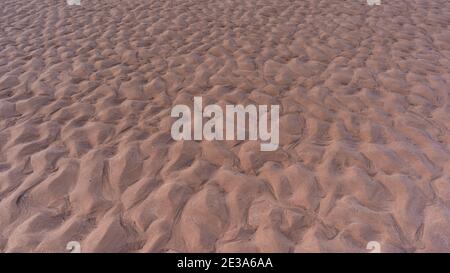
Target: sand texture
x,y
86,152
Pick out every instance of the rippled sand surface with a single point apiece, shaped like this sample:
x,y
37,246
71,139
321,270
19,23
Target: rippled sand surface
x,y
86,152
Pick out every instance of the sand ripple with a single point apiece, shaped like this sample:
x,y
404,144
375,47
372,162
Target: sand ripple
x,y
85,146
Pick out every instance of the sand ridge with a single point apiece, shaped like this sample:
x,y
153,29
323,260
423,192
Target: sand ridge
x,y
86,153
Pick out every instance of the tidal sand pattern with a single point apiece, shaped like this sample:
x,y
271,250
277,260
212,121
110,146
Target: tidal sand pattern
x,y
86,152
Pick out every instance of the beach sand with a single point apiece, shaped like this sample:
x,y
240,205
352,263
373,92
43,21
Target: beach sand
x,y
86,152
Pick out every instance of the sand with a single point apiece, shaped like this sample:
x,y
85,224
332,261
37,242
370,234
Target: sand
x,y
85,147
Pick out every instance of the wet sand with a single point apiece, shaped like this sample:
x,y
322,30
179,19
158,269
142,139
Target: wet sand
x,y
86,152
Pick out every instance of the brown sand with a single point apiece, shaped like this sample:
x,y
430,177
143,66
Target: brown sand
x,y
86,153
